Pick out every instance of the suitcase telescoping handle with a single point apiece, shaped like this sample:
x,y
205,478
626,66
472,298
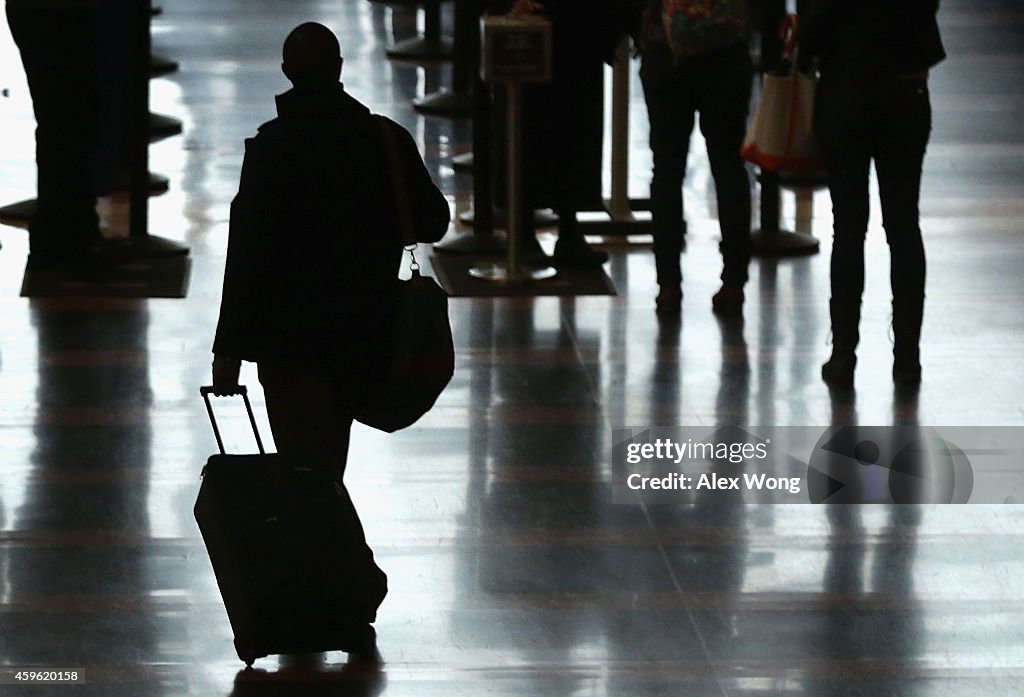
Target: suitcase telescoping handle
x,y
206,392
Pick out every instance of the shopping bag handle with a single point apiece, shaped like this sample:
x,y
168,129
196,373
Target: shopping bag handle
x,y
206,391
789,32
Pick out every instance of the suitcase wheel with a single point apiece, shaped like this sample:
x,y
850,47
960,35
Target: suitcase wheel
x,y
247,654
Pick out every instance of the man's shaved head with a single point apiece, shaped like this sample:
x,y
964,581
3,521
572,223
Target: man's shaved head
x,y
312,56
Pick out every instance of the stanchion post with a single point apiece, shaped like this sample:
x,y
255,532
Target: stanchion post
x,y
618,205
515,50
431,46
143,245
139,191
515,173
458,101
771,240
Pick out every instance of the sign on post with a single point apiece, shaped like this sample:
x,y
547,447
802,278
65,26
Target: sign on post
x,y
516,49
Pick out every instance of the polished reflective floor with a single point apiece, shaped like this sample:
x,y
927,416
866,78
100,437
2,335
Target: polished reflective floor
x,y
511,571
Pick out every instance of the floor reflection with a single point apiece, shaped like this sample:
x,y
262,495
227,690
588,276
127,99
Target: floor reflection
x,y
315,680
85,499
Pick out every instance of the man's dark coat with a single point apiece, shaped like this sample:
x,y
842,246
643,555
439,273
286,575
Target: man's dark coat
x,y
314,246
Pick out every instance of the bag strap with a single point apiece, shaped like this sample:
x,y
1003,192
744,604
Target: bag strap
x,y
398,184
789,32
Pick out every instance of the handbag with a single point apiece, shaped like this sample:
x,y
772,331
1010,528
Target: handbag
x,y
421,354
781,133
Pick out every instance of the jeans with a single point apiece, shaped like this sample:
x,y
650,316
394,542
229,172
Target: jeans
x,y
887,120
716,86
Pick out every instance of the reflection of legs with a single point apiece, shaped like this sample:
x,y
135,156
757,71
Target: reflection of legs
x,y
671,111
898,163
310,422
59,50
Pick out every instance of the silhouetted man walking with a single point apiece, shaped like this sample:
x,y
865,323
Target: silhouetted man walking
x,y
314,253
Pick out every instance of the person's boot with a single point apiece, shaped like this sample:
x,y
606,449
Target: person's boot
x,y
728,301
907,315
572,249
669,301
838,370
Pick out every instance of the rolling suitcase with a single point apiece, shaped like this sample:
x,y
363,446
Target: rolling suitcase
x,y
289,554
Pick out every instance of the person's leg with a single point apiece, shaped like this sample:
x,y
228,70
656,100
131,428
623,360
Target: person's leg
x,y
579,83
311,426
843,130
311,423
899,156
724,103
670,109
59,50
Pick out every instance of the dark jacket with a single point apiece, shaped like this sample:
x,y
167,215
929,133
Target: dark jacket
x,y
871,37
314,245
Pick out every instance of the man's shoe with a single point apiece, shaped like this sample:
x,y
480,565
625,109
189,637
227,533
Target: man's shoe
x,y
669,301
362,647
728,301
576,252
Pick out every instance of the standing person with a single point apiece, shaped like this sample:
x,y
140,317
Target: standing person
x,y
873,105
313,254
61,43
711,77
563,125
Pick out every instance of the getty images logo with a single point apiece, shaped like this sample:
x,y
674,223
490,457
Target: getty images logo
x,y
888,464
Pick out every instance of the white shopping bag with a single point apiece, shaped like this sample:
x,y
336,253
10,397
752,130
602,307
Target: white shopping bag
x,y
780,136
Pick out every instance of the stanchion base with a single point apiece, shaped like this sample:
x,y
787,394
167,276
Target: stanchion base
x,y
499,273
153,247
422,49
161,126
611,226
20,212
541,218
783,243
159,65
473,243
445,103
463,162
